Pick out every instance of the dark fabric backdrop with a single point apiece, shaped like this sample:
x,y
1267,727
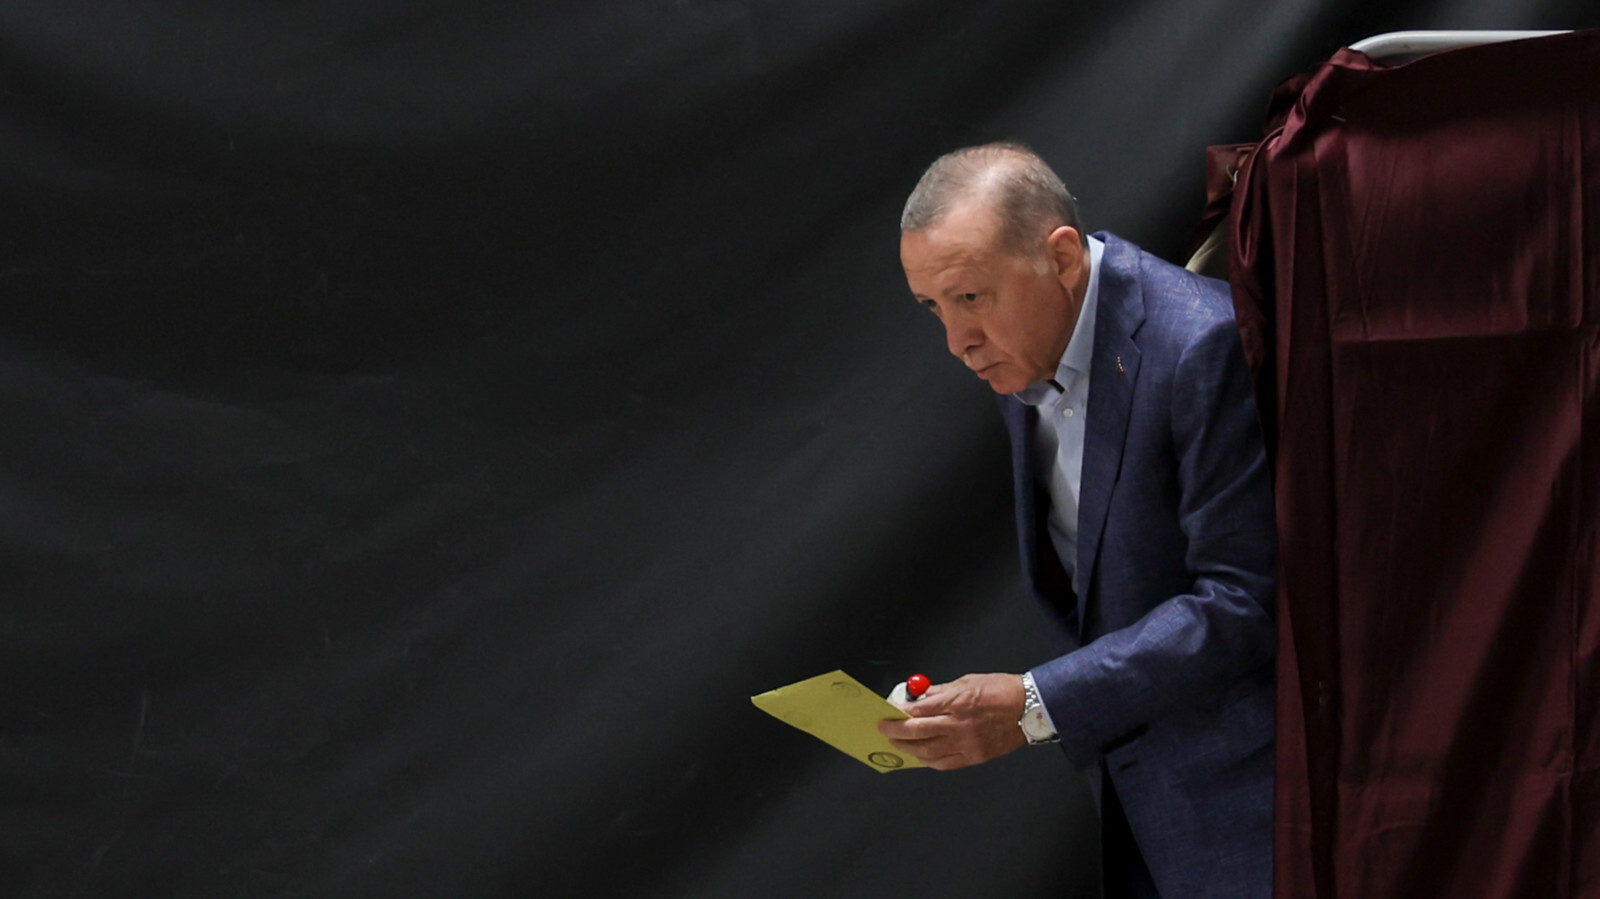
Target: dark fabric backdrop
x,y
424,426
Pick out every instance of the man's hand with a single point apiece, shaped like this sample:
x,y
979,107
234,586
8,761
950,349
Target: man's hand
x,y
966,722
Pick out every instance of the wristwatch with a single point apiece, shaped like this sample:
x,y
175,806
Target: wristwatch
x,y
1035,721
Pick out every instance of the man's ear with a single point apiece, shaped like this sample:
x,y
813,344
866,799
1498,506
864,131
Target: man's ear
x,y
1072,260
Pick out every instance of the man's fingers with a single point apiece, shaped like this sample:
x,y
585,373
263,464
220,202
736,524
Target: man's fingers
x,y
912,728
931,740
937,752
939,742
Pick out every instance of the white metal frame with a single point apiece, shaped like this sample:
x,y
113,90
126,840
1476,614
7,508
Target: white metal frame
x,y
1418,43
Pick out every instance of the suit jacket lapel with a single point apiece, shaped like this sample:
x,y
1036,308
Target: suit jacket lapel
x,y
1114,373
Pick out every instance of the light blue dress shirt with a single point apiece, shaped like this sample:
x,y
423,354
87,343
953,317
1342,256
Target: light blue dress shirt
x,y
1063,404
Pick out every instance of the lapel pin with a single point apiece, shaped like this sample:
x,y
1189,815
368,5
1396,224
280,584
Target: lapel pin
x,y
1120,372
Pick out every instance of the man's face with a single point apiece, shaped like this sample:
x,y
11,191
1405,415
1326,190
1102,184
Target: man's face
x,y
1007,317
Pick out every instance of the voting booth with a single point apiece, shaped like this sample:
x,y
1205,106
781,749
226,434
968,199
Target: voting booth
x,y
1416,265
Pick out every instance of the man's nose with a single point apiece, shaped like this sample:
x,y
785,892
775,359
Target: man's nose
x,y
962,335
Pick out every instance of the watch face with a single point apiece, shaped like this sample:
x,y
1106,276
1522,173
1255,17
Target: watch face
x,y
1034,726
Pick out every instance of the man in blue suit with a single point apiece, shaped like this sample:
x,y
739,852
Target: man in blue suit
x,y
1145,516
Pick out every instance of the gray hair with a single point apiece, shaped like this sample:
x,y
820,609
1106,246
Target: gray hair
x,y
1029,198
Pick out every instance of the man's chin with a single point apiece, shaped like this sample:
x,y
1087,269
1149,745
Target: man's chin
x,y
1004,386
1002,378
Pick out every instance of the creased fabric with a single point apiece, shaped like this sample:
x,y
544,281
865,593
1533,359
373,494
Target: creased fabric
x,y
1415,264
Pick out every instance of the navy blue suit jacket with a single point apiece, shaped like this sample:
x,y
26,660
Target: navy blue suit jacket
x,y
1168,677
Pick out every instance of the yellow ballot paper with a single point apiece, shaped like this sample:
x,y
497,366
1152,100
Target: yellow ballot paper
x,y
837,710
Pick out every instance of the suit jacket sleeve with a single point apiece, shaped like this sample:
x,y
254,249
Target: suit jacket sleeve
x,y
1192,646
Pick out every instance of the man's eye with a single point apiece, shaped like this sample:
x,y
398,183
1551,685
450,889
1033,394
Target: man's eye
x,y
970,297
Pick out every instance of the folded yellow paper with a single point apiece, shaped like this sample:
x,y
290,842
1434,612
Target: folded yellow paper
x,y
836,709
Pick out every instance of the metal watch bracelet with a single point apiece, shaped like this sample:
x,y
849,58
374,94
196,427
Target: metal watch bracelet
x,y
1035,722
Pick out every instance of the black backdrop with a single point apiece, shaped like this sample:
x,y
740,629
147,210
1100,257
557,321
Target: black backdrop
x,y
425,425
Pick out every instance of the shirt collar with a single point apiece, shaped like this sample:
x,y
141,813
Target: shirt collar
x,y
1078,355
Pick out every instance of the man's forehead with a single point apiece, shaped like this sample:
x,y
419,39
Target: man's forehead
x,y
965,234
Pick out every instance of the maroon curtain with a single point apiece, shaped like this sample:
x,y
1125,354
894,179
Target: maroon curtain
x,y
1416,259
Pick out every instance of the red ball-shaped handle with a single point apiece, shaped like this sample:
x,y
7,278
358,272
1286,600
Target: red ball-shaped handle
x,y
918,684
